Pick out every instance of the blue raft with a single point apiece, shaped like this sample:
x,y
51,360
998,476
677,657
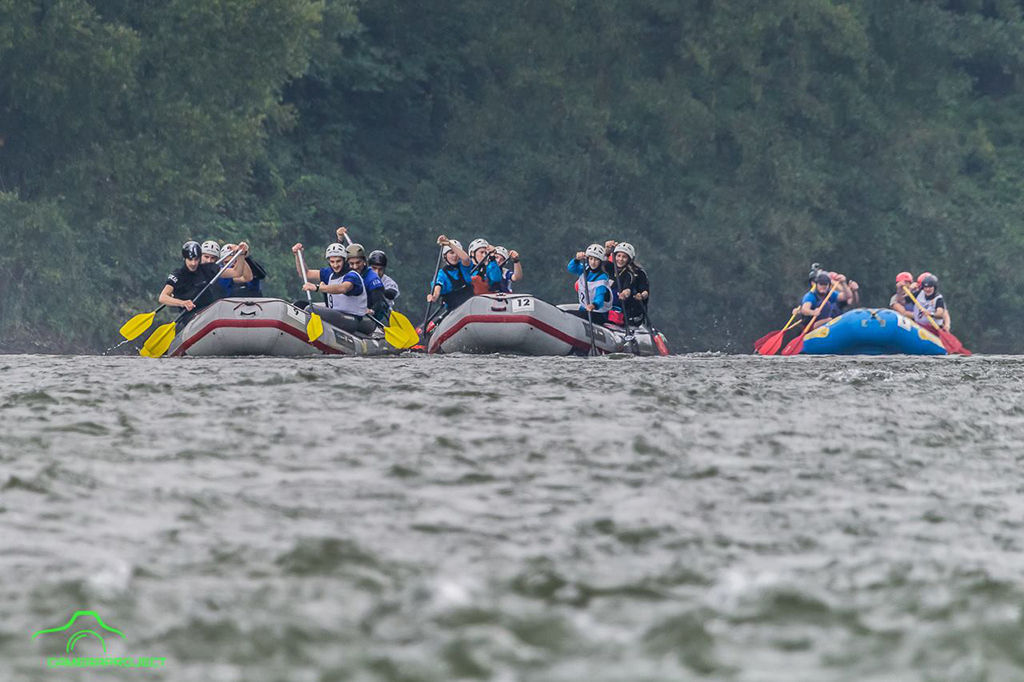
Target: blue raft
x,y
871,331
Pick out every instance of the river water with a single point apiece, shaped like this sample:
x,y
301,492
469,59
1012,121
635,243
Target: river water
x,y
444,518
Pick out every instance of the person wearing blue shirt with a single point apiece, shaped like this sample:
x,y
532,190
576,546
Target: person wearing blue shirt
x,y
503,256
453,285
593,285
822,303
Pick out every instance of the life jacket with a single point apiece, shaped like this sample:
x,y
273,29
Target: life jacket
x,y
587,290
929,305
480,284
830,310
348,303
461,291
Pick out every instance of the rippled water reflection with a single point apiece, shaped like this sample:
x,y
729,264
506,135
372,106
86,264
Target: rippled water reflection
x,y
427,518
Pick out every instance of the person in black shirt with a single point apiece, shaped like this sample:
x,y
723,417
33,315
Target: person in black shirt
x,y
632,287
185,283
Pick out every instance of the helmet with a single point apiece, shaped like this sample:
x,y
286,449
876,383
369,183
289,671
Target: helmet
x,y
356,251
226,250
813,274
929,280
595,251
446,249
920,278
477,244
626,248
904,277
501,251
378,257
211,248
822,278
336,251
191,250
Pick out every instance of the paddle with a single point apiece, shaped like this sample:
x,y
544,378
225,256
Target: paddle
x,y
160,340
659,342
315,326
590,318
134,327
797,344
763,346
634,347
437,269
950,342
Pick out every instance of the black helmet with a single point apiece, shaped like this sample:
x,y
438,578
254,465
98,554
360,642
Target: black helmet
x,y
930,281
191,250
378,257
822,278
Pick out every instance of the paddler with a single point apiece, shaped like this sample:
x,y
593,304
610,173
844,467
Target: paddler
x,y
238,286
184,283
486,272
376,303
629,280
502,257
814,302
930,300
453,283
593,285
900,301
378,260
343,288
211,252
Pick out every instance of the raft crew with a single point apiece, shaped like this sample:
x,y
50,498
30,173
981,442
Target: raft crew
x,y
814,302
343,289
378,260
930,300
629,281
453,285
593,285
186,282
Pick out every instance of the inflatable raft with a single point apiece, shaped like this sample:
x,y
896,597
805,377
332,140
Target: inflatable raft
x,y
521,324
266,326
871,331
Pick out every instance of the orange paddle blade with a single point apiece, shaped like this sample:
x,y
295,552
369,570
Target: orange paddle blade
x,y
772,343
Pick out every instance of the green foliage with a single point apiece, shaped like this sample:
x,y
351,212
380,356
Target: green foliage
x,y
733,142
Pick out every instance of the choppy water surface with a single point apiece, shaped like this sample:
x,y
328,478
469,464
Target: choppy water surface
x,y
732,518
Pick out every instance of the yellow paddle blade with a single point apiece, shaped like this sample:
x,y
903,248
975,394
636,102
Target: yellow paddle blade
x,y
403,327
399,338
315,327
138,324
160,340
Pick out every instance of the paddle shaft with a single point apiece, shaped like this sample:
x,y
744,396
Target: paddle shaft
x,y
922,308
590,318
305,278
625,317
800,339
437,269
209,284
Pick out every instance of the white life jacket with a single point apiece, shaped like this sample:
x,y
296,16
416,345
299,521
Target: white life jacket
x,y
588,292
347,303
929,305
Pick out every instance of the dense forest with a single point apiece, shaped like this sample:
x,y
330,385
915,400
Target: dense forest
x,y
732,141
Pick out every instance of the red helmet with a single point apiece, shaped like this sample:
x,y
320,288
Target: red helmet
x,y
921,277
904,277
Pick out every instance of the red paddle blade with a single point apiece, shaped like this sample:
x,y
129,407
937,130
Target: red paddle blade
x,y
772,344
794,346
952,343
761,341
659,341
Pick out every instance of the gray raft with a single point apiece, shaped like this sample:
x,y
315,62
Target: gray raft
x,y
521,324
266,326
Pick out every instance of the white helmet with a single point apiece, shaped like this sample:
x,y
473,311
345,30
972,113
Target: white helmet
x,y
226,250
501,251
337,251
446,249
211,248
626,248
477,244
596,251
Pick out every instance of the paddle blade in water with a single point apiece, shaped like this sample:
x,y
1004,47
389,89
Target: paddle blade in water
x,y
659,342
160,340
761,341
771,343
794,346
400,339
952,343
315,327
138,324
403,326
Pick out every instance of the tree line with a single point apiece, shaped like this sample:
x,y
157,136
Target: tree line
x,y
733,142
